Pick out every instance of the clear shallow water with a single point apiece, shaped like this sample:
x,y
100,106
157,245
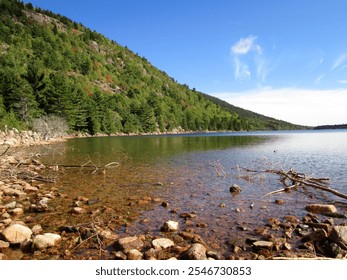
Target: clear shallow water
x,y
195,173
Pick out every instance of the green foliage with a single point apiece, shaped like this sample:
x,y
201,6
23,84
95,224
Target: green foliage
x,y
58,67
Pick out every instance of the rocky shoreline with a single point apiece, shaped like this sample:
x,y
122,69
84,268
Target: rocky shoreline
x,y
24,195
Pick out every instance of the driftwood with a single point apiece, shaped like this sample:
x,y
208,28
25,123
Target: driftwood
x,y
296,180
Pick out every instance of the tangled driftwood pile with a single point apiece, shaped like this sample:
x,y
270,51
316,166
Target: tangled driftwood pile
x,y
294,180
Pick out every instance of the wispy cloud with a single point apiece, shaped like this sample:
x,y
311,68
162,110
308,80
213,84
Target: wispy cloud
x,y
241,70
242,64
340,62
300,106
245,45
319,79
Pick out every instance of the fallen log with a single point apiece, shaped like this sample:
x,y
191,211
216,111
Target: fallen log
x,y
298,179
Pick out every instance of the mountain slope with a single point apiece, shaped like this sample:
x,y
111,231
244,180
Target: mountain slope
x,y
50,65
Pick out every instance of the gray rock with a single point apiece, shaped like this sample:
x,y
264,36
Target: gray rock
x,y
196,252
170,226
16,233
128,243
321,208
47,240
162,243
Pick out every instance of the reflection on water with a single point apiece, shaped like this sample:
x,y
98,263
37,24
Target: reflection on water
x,y
189,180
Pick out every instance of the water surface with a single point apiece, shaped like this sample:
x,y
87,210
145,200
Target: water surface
x,y
193,173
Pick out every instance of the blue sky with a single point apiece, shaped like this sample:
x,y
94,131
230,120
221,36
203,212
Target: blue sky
x,y
285,59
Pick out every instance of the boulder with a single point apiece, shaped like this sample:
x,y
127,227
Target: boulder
x,y
196,252
162,243
321,208
47,240
170,226
16,233
128,243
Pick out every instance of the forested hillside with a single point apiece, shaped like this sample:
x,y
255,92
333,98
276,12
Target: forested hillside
x,y
52,66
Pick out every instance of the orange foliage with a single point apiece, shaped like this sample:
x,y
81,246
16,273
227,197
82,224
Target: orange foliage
x,y
97,65
109,78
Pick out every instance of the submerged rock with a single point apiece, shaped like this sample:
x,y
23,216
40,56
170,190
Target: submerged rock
x,y
235,189
321,208
170,226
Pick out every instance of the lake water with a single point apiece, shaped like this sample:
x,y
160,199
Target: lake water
x,y
193,173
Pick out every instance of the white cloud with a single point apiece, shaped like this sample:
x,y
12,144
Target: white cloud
x,y
299,106
245,45
242,65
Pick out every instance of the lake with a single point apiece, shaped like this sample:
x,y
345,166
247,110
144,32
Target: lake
x,y
193,173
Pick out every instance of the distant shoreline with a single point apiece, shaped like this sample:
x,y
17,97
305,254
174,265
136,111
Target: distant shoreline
x,y
337,126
